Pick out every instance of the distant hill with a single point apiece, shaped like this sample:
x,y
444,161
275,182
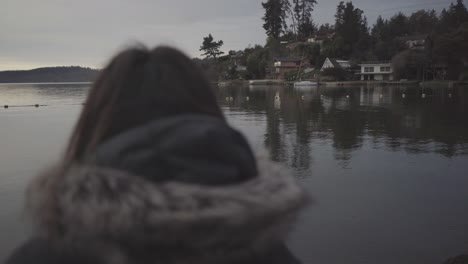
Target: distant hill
x,y
50,74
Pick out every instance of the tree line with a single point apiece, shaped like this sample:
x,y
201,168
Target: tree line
x,y
351,38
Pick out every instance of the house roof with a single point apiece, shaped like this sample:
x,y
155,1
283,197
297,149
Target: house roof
x,y
339,64
335,62
288,59
375,63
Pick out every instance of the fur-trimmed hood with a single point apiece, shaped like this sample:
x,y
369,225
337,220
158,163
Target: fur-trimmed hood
x,y
173,193
101,204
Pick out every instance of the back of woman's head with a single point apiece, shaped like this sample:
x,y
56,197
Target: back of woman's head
x,y
138,86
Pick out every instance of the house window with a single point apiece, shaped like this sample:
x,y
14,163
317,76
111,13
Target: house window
x,y
368,69
385,69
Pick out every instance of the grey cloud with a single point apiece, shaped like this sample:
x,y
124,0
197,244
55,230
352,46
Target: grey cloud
x,y
87,32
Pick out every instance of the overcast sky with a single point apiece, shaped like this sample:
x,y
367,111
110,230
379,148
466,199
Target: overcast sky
x,y
36,33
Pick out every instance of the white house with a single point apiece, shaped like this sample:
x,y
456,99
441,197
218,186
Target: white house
x,y
376,71
415,42
316,40
336,64
320,39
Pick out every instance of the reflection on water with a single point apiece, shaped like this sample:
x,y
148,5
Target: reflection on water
x,y
18,95
425,120
386,166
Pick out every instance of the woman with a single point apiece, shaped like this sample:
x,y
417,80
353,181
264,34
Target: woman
x,y
154,174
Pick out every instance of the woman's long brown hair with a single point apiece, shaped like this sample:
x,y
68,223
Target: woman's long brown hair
x,y
138,86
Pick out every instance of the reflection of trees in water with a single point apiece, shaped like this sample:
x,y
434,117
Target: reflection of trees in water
x,y
273,138
347,124
297,120
414,123
349,116
301,149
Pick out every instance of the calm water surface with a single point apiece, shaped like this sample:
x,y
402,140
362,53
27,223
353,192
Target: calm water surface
x,y
389,174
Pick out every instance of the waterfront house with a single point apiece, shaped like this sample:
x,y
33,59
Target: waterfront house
x,y
415,42
317,40
236,59
320,39
286,65
376,71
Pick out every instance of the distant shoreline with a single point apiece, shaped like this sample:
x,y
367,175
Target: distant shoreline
x,y
20,83
62,74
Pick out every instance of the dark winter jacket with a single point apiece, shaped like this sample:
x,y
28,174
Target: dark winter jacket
x,y
186,189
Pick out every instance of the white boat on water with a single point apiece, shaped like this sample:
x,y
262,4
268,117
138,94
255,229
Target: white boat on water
x,y
305,84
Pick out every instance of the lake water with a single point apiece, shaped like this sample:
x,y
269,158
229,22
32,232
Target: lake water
x,y
387,166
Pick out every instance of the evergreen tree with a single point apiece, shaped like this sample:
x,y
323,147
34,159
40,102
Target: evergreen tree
x,y
380,30
211,47
398,26
443,21
458,13
450,48
325,29
351,28
303,17
423,22
275,17
452,18
384,46
286,9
